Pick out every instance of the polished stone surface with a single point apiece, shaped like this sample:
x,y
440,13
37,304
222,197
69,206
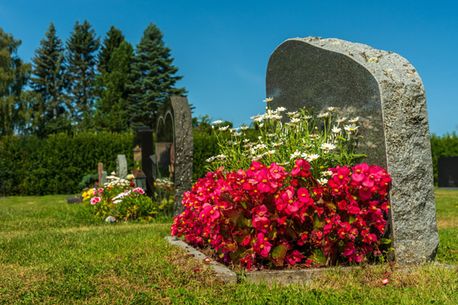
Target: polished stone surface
x,y
386,90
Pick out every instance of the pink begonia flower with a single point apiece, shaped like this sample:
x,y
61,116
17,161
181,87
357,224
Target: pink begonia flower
x,y
138,190
95,200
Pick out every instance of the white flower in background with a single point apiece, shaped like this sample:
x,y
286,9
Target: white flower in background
x,y
323,115
268,99
271,135
217,122
351,128
327,146
237,134
295,155
232,130
326,174
221,157
354,120
336,129
277,144
322,181
261,125
271,152
223,128
307,117
244,127
281,109
312,157
295,120
331,109
211,159
292,113
341,120
245,140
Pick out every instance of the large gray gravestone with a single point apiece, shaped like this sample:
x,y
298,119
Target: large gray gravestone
x,y
386,90
121,166
174,146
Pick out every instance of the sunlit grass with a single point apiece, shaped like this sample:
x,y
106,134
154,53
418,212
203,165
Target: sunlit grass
x,y
52,252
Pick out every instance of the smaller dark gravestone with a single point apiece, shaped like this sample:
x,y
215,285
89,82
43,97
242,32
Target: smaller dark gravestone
x,y
144,139
174,146
386,90
448,172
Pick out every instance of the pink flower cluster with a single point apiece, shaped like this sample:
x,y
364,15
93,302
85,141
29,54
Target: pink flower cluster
x,y
267,217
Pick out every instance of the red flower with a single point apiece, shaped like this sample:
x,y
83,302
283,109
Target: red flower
x,y
262,245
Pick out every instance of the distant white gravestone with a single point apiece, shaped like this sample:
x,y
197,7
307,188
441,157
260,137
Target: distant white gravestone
x,y
384,87
121,166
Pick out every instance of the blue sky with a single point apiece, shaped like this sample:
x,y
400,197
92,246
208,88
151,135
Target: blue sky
x,y
222,47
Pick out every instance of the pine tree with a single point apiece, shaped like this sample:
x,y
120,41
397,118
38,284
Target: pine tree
x,y
153,78
113,40
13,77
50,110
81,60
112,113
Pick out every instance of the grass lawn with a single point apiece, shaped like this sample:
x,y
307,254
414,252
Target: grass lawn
x,y
55,253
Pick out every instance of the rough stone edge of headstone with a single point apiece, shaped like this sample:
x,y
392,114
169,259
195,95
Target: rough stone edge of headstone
x,y
380,64
222,272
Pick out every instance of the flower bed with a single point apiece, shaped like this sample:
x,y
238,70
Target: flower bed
x,y
269,217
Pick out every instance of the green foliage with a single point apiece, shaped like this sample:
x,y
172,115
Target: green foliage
x,y
57,164
112,114
205,146
112,41
50,107
13,77
443,146
153,78
81,60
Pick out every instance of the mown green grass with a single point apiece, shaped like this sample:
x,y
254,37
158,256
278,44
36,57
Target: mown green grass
x,y
55,253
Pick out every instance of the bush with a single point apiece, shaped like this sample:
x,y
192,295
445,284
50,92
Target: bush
x,y
56,165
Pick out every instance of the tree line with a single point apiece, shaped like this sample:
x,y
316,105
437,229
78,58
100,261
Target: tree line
x,y
84,84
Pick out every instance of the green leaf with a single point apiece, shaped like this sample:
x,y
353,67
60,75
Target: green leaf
x,y
317,223
385,241
318,257
278,255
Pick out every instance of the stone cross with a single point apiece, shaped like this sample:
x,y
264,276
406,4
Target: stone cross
x,y
174,146
121,166
384,88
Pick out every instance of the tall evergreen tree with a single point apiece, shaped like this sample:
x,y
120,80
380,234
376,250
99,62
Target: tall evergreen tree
x,y
81,61
13,76
112,113
153,78
113,40
51,108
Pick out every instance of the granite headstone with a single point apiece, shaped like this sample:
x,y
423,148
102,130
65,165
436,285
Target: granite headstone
x,y
174,147
386,90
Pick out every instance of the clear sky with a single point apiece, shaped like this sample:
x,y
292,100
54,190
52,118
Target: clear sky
x,y
222,47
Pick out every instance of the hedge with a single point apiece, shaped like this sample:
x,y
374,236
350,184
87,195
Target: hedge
x,y
56,165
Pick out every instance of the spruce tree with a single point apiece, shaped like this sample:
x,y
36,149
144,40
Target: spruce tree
x,y
153,78
50,108
81,61
112,113
13,77
113,40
